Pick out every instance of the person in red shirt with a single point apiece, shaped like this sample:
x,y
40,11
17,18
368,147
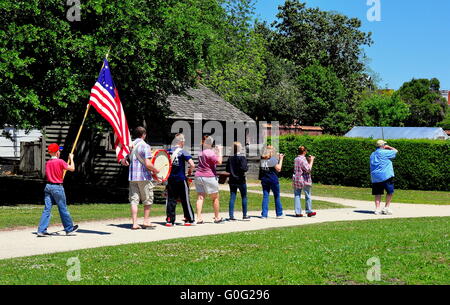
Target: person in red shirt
x,y
54,192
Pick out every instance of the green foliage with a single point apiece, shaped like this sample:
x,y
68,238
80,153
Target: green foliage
x,y
241,78
445,123
326,48
240,75
427,107
48,64
420,164
325,98
280,99
308,36
378,109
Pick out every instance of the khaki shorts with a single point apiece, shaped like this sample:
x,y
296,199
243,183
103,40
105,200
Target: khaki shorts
x,y
141,191
206,185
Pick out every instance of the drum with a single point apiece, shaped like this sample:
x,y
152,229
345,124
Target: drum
x,y
161,161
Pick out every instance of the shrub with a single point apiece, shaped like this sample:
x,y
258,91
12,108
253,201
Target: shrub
x,y
420,164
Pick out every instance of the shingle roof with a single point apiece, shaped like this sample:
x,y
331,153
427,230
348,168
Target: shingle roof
x,y
205,101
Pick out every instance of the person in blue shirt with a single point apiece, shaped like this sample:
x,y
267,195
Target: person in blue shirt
x,y
177,186
382,175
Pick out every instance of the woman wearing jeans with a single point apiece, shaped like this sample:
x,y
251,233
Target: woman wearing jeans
x,y
301,180
268,174
237,167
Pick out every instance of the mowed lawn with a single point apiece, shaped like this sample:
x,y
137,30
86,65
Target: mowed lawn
x,y
410,251
29,215
358,193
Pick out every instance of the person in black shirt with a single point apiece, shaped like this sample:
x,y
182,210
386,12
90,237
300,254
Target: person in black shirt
x,y
237,167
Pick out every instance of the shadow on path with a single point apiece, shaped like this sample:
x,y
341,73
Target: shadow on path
x,y
92,232
363,211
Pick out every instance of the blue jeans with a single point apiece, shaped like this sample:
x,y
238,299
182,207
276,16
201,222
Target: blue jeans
x,y
275,187
54,194
233,193
297,203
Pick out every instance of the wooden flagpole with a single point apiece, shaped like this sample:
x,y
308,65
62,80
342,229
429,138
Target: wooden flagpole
x,y
84,119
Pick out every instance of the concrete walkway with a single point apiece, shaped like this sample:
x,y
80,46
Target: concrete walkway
x,y
23,242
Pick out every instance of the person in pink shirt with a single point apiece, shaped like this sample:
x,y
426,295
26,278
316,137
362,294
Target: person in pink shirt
x,y
205,178
54,192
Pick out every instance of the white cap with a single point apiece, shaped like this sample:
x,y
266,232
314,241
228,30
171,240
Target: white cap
x,y
381,143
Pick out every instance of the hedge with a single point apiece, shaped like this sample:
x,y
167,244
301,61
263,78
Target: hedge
x,y
420,164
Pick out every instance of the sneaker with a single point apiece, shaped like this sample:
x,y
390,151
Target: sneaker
x,y
43,234
188,224
280,217
386,211
298,215
232,219
75,228
377,212
311,214
246,218
169,224
263,217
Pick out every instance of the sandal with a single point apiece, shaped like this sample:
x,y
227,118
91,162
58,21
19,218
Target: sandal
x,y
200,222
219,221
138,228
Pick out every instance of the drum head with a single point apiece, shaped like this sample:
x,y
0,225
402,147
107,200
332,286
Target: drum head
x,y
161,160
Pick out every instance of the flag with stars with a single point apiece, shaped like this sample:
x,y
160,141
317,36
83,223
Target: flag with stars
x,y
105,99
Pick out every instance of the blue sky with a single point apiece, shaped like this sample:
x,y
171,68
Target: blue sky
x,y
412,40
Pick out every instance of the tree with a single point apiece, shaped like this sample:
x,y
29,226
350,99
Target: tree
x,y
280,99
240,79
240,75
307,36
48,64
427,107
382,109
326,51
445,123
325,97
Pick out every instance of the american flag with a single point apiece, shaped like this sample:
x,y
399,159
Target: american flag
x,y
105,98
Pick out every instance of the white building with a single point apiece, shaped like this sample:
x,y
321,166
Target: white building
x,y
10,139
445,94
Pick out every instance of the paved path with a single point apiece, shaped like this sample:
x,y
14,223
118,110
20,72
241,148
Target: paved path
x,y
23,242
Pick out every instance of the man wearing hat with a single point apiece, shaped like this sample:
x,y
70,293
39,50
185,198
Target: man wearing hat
x,y
54,192
382,175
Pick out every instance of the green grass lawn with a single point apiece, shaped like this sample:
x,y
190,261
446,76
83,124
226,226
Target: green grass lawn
x,y
29,215
357,193
410,251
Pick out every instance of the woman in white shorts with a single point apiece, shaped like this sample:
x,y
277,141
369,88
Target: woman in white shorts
x,y
205,178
